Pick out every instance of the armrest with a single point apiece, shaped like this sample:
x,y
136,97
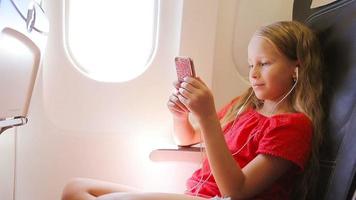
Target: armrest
x,y
180,154
9,123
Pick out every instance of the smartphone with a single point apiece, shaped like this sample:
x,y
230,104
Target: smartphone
x,y
184,67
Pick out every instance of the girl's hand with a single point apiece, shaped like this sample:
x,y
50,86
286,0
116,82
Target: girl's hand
x,y
195,95
175,106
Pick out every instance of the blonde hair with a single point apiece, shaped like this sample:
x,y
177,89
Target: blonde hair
x,y
298,43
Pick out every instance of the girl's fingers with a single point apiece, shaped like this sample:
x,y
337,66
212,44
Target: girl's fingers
x,y
190,87
178,105
192,94
176,84
174,99
195,82
185,93
184,100
175,91
172,106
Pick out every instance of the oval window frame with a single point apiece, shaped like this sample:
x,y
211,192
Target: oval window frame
x,y
94,76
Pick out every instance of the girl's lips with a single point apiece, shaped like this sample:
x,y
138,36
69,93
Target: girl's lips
x,y
258,84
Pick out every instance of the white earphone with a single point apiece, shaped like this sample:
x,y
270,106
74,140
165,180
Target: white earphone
x,y
296,73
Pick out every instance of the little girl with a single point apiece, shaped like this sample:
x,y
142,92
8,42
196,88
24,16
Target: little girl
x,y
263,144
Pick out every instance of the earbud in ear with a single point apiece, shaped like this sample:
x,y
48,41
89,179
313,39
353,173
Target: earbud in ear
x,y
296,74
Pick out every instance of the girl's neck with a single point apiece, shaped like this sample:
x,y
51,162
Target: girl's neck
x,y
270,108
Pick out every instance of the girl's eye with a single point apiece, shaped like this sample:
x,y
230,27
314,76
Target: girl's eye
x,y
264,64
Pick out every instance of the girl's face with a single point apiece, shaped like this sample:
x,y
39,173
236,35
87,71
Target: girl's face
x,y
271,72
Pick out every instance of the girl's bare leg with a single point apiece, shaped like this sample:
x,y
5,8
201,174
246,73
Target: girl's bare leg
x,y
147,196
90,189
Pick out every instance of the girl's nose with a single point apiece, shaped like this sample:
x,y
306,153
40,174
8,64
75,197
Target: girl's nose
x,y
254,72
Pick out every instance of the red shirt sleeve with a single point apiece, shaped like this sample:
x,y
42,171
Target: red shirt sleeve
x,y
288,138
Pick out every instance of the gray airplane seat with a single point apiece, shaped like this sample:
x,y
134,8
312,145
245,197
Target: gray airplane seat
x,y
335,25
23,34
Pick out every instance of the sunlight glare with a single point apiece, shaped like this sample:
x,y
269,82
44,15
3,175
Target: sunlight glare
x,y
112,40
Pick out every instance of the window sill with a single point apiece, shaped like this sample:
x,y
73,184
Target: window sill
x,y
177,154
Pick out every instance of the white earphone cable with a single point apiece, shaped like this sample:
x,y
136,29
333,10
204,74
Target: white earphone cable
x,y
201,182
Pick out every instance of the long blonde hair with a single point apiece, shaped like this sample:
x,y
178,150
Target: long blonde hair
x,y
298,43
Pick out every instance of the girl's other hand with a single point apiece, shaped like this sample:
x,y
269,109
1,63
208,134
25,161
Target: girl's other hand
x,y
195,95
175,106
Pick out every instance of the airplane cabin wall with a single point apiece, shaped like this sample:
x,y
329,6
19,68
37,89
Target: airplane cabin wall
x,y
7,142
83,128
79,127
237,21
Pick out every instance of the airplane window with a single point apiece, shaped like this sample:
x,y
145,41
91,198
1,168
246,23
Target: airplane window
x,y
111,41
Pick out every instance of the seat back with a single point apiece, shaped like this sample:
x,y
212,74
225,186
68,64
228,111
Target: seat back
x,y
23,37
335,25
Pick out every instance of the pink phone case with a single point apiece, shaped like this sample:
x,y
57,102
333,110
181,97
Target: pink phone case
x,y
184,67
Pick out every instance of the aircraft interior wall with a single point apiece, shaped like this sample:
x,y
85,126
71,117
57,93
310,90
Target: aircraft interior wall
x,y
79,127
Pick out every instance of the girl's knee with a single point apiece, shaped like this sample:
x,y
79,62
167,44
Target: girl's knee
x,y
75,189
125,196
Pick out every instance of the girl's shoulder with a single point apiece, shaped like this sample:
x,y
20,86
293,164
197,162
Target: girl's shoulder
x,y
297,120
288,136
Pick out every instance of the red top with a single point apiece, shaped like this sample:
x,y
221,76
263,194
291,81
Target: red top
x,y
287,136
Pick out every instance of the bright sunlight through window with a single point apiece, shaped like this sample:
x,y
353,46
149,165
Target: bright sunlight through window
x,y
111,40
